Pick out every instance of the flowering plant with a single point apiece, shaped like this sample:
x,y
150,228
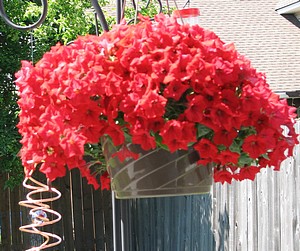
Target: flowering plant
x,y
156,84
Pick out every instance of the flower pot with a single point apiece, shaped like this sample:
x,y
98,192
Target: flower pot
x,y
156,173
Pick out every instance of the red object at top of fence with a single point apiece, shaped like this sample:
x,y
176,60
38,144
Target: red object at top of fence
x,y
190,12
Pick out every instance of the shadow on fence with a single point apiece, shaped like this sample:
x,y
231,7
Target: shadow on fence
x,y
165,224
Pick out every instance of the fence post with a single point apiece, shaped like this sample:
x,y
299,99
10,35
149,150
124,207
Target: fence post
x,y
66,210
167,223
77,209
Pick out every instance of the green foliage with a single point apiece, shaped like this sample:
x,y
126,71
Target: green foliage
x,y
65,21
145,8
13,48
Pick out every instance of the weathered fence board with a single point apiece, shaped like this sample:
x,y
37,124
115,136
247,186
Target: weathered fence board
x,y
262,215
99,221
88,218
15,219
67,211
5,219
107,216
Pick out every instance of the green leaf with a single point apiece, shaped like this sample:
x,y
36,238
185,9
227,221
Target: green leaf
x,y
159,143
203,130
221,147
245,160
236,146
128,137
265,156
246,131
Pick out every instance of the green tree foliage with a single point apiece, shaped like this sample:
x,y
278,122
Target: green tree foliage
x,y
13,47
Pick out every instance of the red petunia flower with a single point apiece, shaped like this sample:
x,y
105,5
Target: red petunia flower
x,y
254,146
227,157
125,153
206,149
144,139
248,172
195,109
105,181
177,135
222,176
224,137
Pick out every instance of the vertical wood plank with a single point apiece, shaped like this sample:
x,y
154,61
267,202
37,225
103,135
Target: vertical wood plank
x,y
166,212
271,207
57,206
66,211
188,217
241,237
287,206
77,209
15,219
296,166
252,227
88,218
221,223
231,214
5,215
108,225
152,207
276,205
263,210
159,223
99,222
24,220
202,222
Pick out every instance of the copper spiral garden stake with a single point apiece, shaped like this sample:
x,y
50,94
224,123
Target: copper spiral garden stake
x,y
40,212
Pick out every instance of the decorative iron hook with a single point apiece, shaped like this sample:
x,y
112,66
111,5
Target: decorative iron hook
x,y
20,27
42,18
100,14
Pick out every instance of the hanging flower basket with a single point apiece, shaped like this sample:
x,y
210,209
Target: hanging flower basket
x,y
158,86
156,173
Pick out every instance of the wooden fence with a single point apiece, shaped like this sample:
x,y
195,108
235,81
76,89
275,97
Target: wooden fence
x,y
86,224
246,216
260,215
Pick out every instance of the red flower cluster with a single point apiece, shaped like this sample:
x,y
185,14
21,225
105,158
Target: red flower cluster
x,y
160,84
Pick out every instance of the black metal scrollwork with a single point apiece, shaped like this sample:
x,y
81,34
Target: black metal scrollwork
x,y
120,4
20,27
42,18
100,14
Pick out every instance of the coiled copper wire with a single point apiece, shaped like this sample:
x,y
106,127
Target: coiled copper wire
x,y
40,211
